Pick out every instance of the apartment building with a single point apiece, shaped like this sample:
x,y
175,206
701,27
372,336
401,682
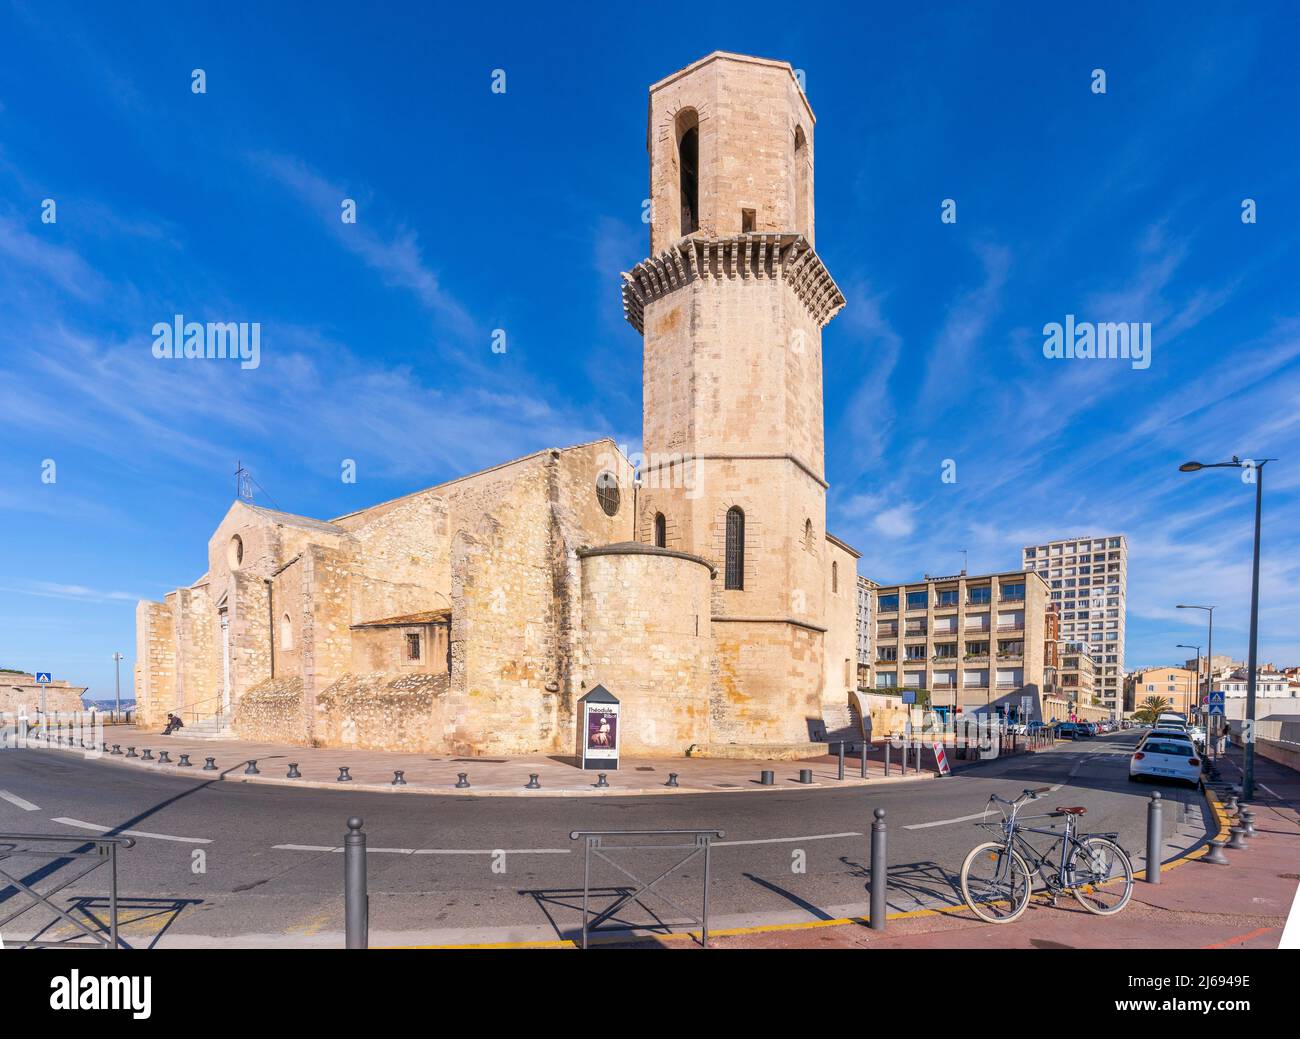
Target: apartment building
x,y
866,603
1077,674
975,643
1175,684
1088,578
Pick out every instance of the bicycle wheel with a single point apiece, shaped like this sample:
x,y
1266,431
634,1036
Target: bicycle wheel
x,y
995,883
1102,875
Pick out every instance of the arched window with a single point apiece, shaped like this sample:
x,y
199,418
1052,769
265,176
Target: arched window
x,y
735,578
801,177
835,578
286,633
807,535
688,166
661,531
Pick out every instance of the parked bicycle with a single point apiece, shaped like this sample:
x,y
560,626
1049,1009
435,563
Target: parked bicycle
x,y
997,878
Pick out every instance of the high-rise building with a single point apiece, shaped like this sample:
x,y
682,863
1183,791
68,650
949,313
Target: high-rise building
x,y
974,643
1088,578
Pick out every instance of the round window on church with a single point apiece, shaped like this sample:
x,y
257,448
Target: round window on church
x,y
235,552
607,493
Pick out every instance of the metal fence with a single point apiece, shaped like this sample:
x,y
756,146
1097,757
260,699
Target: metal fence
x,y
697,846
90,853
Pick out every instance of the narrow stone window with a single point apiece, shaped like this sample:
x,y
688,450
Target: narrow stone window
x,y
235,552
735,577
747,220
688,165
801,174
413,646
835,578
808,535
661,531
286,633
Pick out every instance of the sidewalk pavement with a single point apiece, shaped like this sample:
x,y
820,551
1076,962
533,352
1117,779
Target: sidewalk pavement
x,y
557,776
1195,905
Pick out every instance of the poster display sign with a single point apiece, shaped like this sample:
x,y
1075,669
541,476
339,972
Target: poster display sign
x,y
599,724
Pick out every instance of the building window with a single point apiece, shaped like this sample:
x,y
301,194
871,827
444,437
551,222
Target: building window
x,y
835,578
688,164
747,221
235,552
917,600
661,531
607,493
413,646
801,173
286,633
735,577
808,535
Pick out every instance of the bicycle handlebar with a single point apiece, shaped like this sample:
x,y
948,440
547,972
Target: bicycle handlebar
x,y
1026,795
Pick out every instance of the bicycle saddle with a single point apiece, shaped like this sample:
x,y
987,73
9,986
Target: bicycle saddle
x,y
1076,810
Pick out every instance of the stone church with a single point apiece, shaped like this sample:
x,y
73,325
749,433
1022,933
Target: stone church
x,y
701,587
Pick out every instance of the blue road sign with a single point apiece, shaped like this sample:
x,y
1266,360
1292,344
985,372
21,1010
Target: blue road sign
x,y
43,677
1216,708
1216,696
909,698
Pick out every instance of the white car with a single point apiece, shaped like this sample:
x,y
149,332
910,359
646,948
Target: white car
x,y
1166,755
1197,733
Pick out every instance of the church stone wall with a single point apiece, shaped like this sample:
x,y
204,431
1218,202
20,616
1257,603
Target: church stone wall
x,y
198,681
768,683
155,662
505,682
841,576
380,712
647,638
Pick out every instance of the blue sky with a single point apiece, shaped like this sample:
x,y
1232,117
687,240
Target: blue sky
x,y
479,211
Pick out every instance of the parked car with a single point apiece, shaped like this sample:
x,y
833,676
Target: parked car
x,y
1036,727
1197,733
1166,757
1066,731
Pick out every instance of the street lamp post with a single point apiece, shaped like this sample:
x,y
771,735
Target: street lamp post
x,y
1211,729
117,667
1248,734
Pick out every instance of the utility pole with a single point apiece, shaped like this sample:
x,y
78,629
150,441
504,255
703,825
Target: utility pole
x,y
117,667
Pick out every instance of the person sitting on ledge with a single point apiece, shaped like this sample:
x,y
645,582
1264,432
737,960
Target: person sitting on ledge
x,y
173,723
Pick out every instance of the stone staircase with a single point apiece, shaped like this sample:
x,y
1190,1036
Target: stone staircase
x,y
841,722
216,727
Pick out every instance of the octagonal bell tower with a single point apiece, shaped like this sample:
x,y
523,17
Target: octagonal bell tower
x,y
731,304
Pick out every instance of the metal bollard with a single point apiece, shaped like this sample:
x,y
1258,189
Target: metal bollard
x,y
887,746
147,755
864,759
1155,838
841,759
344,775
532,783
356,899
1247,818
251,769
399,777
903,756
117,748
602,780
1238,840
879,879
130,752
672,779
185,761
164,758
767,777
462,780
293,771
1214,855
918,755
805,775
209,764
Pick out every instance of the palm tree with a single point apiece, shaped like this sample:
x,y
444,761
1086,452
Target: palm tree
x,y
1150,708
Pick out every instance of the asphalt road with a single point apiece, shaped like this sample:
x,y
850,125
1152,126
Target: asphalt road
x,y
242,864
